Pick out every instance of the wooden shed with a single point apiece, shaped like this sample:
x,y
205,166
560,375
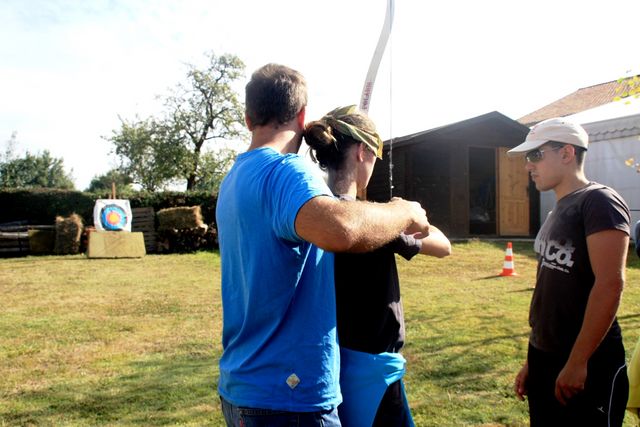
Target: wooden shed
x,y
461,175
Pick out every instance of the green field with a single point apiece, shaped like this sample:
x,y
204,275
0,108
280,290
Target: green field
x,y
136,341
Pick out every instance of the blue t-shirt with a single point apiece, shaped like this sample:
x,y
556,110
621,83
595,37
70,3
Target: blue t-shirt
x,y
279,312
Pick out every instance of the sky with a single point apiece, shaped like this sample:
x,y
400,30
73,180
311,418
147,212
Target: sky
x,y
70,69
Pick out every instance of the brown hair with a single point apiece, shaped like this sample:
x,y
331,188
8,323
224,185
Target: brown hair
x,y
580,151
328,146
275,94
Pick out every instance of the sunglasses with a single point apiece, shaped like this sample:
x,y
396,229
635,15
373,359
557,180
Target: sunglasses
x,y
534,156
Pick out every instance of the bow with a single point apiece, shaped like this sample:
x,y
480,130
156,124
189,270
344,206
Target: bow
x,y
377,57
371,78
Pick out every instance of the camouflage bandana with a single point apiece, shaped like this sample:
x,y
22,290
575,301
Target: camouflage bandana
x,y
371,140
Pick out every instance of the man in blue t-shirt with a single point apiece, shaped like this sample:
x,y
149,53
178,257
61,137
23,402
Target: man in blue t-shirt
x,y
276,219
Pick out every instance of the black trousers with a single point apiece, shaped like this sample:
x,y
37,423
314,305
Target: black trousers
x,y
393,411
603,401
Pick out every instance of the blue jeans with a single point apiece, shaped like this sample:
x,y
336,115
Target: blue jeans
x,y
253,417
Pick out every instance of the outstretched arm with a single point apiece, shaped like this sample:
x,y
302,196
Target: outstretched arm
x,y
435,244
345,226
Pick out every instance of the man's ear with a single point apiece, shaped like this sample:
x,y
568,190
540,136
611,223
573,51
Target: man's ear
x,y
300,117
247,121
568,152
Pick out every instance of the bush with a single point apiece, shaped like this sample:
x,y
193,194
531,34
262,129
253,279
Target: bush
x,y
42,206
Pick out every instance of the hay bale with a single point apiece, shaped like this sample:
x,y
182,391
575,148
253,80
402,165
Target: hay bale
x,y
179,218
115,244
183,240
68,232
84,239
41,241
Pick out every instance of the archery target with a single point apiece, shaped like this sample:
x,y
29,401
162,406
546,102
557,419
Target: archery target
x,y
112,215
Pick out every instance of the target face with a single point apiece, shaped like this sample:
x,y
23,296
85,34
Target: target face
x,y
112,215
113,218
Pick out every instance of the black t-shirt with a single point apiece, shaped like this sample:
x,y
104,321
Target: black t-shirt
x,y
565,277
369,308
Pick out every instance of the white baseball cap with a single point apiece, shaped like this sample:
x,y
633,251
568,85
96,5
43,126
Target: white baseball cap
x,y
557,129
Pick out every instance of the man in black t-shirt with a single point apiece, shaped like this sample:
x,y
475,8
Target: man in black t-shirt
x,y
575,372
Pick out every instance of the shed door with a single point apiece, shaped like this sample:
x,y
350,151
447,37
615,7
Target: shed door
x,y
513,199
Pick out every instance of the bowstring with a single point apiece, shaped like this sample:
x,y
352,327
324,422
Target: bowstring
x,y
391,117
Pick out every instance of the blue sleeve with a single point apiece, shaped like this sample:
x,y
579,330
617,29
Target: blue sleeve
x,y
293,184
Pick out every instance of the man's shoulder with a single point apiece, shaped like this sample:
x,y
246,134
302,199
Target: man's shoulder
x,y
266,161
596,187
603,208
603,193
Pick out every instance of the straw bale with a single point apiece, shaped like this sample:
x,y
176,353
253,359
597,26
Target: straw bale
x,y
179,218
68,232
185,240
42,241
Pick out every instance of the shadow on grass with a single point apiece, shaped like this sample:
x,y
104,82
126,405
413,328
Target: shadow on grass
x,y
520,248
470,345
454,362
629,323
515,291
178,389
468,374
493,276
525,248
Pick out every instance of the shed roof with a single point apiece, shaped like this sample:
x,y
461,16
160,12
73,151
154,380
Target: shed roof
x,y
580,100
493,126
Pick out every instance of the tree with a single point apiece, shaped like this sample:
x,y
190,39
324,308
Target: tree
x,y
35,171
628,87
214,166
10,148
159,151
103,183
147,153
206,108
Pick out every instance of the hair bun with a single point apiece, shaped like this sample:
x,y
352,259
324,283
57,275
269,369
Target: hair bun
x,y
319,135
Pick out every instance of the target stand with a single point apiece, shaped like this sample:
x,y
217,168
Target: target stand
x,y
113,237
115,244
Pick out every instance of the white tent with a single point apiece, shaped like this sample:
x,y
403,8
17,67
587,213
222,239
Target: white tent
x,y
614,139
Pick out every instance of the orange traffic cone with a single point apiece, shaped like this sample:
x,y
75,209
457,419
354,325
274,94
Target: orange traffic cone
x,y
508,269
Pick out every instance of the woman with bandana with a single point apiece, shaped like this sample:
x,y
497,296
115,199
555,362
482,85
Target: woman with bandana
x,y
369,308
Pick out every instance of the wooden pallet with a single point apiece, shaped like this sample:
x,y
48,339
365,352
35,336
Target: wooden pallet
x,y
16,238
14,243
144,221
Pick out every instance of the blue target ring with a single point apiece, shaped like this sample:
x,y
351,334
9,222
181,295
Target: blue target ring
x,y
113,218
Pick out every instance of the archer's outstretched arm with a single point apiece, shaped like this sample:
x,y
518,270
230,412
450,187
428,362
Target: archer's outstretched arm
x,y
435,244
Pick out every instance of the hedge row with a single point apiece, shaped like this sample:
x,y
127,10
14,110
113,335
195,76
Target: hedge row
x,y
40,207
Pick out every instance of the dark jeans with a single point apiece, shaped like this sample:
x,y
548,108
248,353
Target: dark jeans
x,y
603,401
254,417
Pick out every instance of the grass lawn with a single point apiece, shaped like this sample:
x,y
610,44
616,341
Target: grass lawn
x,y
136,342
